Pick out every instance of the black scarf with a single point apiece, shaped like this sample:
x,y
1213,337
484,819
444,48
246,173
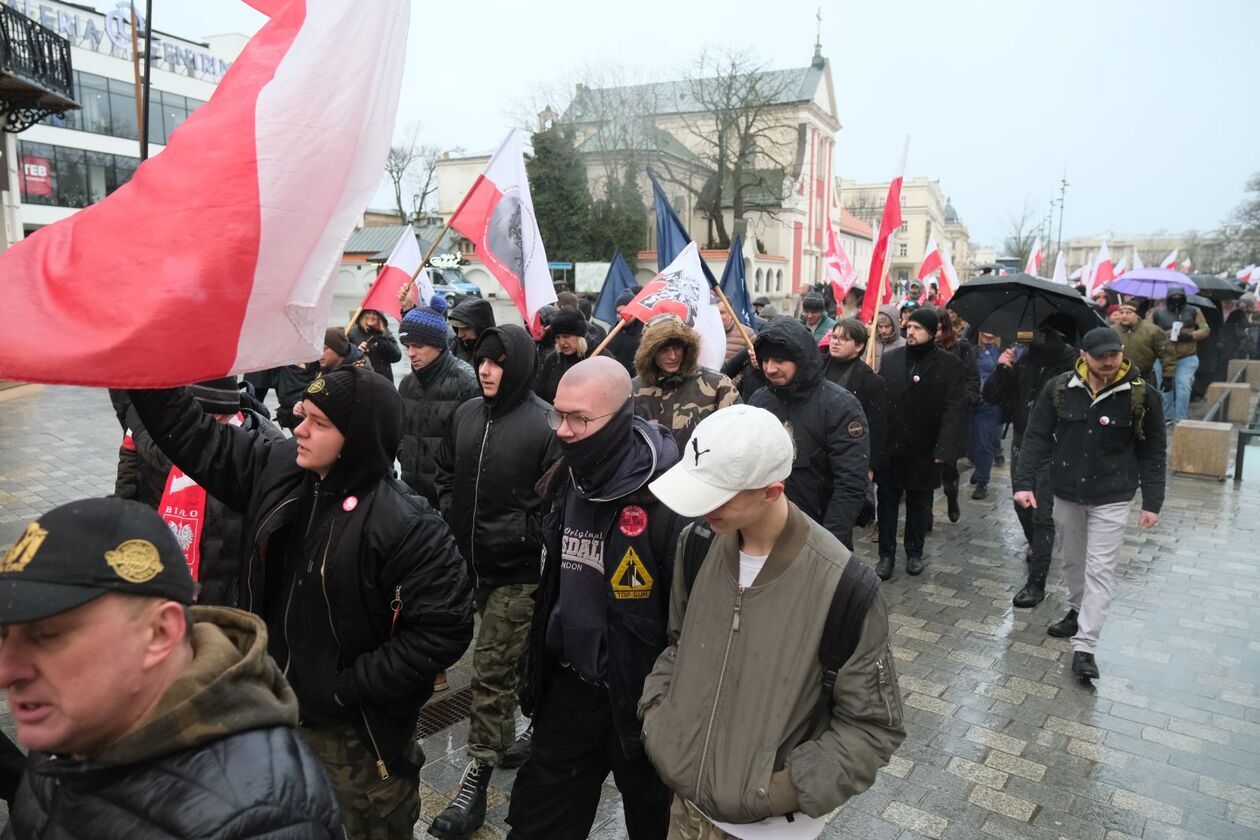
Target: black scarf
x,y
594,459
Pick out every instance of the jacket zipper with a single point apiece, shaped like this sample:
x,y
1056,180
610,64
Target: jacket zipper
x,y
288,602
883,691
717,695
249,568
472,537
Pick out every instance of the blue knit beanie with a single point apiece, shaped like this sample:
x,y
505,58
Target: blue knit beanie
x,y
426,324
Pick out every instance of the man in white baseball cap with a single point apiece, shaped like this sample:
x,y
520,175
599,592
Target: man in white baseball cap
x,y
785,640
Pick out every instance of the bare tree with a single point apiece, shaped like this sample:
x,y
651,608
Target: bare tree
x,y
740,135
401,169
1022,233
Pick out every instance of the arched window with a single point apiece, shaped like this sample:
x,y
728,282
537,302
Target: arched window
x,y
778,280
757,281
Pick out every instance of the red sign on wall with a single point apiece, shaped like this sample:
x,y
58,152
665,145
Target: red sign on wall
x,y
37,176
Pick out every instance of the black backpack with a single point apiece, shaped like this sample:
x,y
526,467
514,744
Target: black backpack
x,y
843,629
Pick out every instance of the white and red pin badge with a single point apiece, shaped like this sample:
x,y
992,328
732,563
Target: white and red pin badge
x,y
633,520
915,378
1104,420
350,503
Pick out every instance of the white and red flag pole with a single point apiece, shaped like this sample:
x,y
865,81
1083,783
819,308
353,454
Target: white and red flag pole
x,y
402,267
497,215
184,289
932,260
878,289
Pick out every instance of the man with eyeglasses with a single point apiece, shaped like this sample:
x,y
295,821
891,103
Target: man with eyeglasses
x,y
601,612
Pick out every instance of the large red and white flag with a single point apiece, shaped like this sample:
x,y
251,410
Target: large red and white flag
x,y
1060,270
1104,270
1035,258
949,278
1137,259
403,264
1170,261
837,266
219,256
498,216
878,289
1244,274
682,290
932,260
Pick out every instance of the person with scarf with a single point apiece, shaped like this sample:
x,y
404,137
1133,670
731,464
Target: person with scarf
x,y
601,612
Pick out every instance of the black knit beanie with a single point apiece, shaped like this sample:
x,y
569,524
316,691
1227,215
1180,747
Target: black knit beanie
x,y
336,341
218,396
333,394
926,317
491,347
568,322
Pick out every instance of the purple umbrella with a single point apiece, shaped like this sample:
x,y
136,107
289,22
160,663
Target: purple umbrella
x,y
1152,283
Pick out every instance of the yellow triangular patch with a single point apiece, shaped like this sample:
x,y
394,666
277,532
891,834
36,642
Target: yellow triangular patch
x,y
631,580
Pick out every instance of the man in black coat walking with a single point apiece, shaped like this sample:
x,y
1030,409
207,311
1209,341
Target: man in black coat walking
x,y
498,448
927,425
827,424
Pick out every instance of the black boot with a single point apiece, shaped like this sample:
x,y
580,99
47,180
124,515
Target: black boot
x,y
1033,593
517,754
468,811
1064,629
981,492
914,564
951,500
1084,666
884,568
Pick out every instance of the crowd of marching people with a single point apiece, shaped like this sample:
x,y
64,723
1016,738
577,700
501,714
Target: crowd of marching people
x,y
240,641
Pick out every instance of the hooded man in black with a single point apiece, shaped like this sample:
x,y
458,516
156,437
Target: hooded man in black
x,y
498,447
827,425
469,319
360,583
1014,385
927,425
601,612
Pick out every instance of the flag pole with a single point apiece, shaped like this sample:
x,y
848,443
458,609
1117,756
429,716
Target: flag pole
x,y
135,69
722,296
621,322
407,286
879,291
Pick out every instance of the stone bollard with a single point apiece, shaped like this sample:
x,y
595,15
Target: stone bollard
x,y
1201,448
1252,376
1239,408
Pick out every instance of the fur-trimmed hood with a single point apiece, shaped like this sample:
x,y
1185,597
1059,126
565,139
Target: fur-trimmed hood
x,y
655,336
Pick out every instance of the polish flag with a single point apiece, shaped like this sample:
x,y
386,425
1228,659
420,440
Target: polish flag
x,y
1170,261
402,266
1120,267
837,266
219,255
1187,265
1035,258
932,260
1137,259
948,279
878,289
1104,271
1245,274
498,216
1060,270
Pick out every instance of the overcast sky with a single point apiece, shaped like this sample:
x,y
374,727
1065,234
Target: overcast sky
x,y
1153,107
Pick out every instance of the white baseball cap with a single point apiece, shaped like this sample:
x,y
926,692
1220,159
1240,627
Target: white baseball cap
x,y
737,448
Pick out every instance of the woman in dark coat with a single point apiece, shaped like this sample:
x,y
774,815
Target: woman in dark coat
x,y
371,335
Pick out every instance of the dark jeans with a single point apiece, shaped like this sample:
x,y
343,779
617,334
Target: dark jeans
x,y
986,422
575,746
918,514
1038,522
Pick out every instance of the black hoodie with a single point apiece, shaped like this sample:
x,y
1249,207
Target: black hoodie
x,y
827,424
389,602
476,313
495,453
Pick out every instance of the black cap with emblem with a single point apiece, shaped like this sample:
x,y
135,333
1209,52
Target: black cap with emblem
x,y
82,550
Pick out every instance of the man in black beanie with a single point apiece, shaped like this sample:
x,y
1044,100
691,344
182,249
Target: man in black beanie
x,y
600,615
927,424
568,330
360,583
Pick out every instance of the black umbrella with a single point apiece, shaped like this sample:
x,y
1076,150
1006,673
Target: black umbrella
x,y
1013,303
1217,288
1201,302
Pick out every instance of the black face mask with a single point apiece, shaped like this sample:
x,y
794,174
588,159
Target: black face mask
x,y
1046,344
596,457
1175,302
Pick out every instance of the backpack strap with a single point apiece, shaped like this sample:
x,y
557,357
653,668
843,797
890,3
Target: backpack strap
x,y
697,537
842,631
1137,407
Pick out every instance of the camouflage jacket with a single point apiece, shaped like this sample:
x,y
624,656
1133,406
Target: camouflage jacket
x,y
680,402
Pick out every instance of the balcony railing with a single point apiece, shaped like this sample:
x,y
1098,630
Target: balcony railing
x,y
36,78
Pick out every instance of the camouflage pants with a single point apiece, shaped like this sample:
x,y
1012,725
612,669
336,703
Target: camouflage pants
x,y
372,808
687,823
498,655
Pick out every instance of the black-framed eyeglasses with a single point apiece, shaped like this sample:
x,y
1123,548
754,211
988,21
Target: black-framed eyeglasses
x,y
576,421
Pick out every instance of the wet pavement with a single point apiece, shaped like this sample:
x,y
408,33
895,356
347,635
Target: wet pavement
x,y
1002,740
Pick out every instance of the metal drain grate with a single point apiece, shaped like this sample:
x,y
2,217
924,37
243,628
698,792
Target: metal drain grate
x,y
440,714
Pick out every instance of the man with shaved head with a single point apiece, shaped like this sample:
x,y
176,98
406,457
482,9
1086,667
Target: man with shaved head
x,y
601,612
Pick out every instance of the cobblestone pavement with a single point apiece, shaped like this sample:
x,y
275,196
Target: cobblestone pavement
x,y
1002,740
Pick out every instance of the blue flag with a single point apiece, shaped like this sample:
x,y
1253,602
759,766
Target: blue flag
x,y
735,284
619,279
671,236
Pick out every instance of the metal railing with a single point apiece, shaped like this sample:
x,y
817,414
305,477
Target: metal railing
x,y
34,53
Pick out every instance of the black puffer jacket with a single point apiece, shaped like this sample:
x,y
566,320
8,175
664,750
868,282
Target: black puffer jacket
x,y
222,578
927,415
383,598
829,428
218,759
489,465
1099,451
382,347
430,397
1015,387
476,313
